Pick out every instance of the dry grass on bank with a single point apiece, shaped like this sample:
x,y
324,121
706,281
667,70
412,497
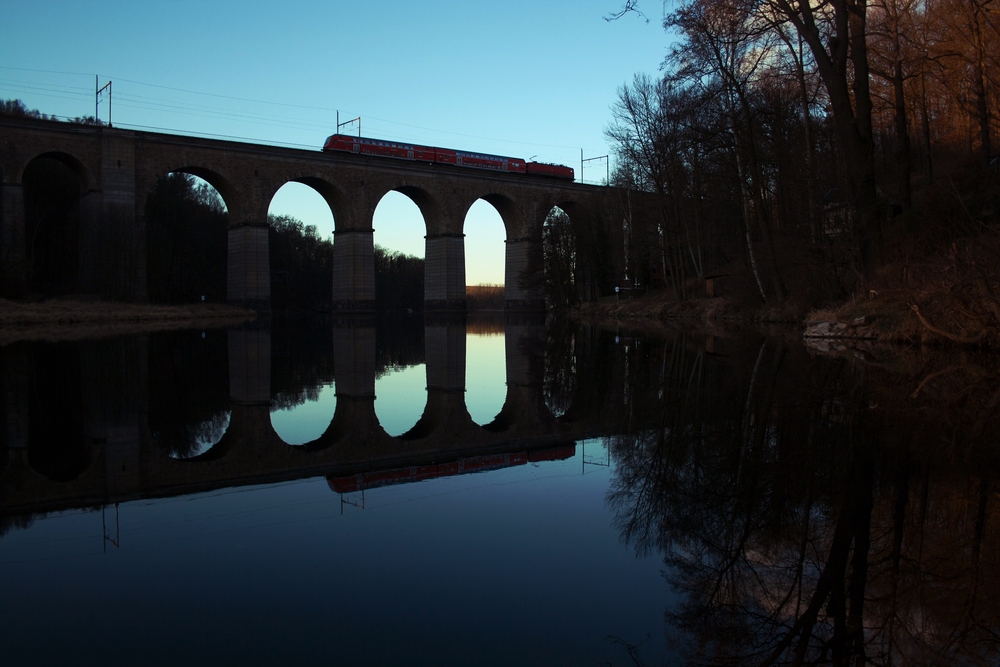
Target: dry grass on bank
x,y
933,299
484,297
67,319
734,299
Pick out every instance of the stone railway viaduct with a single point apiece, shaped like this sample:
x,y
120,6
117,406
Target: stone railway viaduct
x,y
117,169
124,462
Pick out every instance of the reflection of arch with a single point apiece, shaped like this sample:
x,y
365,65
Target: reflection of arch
x,y
217,449
58,451
83,174
405,387
206,450
57,445
292,426
352,415
486,376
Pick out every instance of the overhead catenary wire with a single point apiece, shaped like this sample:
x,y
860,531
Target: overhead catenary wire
x,y
256,118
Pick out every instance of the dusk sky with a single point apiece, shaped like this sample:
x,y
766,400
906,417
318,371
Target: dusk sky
x,y
523,79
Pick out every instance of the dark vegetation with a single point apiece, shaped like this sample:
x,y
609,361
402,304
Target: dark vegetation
x,y
399,280
17,109
399,342
186,241
301,265
189,393
809,146
809,510
52,227
301,359
187,255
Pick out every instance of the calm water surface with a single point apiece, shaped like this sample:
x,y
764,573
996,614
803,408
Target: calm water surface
x,y
494,493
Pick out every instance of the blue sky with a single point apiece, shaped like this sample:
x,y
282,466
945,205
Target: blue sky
x,y
524,79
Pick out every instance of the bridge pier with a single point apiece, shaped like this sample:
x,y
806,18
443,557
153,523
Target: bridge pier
x,y
524,343
445,414
444,272
250,365
248,267
114,395
524,282
13,259
112,240
354,270
15,383
354,375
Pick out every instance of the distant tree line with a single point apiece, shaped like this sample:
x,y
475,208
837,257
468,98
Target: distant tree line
x,y
813,142
186,241
187,254
484,297
17,109
301,265
399,280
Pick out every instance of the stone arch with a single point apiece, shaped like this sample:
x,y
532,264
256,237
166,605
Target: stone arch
x,y
297,283
222,184
511,220
429,205
444,248
54,204
85,176
509,211
332,194
194,262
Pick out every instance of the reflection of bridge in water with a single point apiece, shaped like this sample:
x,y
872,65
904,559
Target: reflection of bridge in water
x,y
123,462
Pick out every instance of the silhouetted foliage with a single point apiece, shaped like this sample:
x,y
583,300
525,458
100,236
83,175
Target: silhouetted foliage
x,y
301,359
301,265
399,342
17,109
765,107
186,241
399,280
559,251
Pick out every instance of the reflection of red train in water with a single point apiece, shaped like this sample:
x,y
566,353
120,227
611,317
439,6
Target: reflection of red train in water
x,y
371,480
365,146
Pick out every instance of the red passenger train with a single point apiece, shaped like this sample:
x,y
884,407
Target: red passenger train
x,y
365,146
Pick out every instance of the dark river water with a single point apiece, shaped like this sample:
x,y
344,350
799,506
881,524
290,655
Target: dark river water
x,y
470,491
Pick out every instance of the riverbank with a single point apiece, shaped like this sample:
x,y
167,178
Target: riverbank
x,y
70,319
949,299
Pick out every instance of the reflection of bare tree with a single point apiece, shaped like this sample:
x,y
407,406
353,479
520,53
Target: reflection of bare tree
x,y
806,521
560,367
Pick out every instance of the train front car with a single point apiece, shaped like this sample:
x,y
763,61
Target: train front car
x,y
553,170
339,142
